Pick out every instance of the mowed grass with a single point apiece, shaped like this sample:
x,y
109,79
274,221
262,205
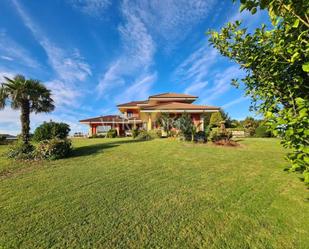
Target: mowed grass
x,y
117,193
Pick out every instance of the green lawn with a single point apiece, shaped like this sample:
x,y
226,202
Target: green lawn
x,y
117,193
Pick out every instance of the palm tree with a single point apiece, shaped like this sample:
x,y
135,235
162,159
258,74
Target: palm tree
x,y
28,95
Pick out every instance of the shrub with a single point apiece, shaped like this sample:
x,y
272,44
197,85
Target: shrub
x,y
184,124
215,119
166,122
173,133
49,130
262,131
216,135
3,139
155,133
97,136
21,151
207,131
200,137
53,149
143,135
112,133
184,137
135,133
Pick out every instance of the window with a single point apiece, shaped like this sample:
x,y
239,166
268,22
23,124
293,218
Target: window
x,y
129,114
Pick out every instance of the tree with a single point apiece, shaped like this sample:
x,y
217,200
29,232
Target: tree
x,y
166,122
250,125
49,130
185,125
27,95
206,117
276,62
215,119
226,118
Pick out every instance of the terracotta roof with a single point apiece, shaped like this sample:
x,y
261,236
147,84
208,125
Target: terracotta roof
x,y
179,106
172,95
133,103
108,118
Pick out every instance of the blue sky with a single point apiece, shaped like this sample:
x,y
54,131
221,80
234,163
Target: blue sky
x,y
95,54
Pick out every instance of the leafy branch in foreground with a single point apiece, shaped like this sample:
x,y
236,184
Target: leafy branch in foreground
x,y
276,63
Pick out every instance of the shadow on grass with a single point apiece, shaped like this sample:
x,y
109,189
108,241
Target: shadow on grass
x,y
97,148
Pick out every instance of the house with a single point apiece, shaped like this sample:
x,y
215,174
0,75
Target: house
x,y
143,114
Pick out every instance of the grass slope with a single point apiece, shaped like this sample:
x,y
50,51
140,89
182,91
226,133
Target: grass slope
x,y
117,193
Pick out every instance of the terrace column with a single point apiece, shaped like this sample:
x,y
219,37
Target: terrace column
x,y
202,123
93,129
149,124
118,130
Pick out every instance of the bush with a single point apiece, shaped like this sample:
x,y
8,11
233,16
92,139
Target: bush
x,y
155,133
200,137
184,137
173,133
143,135
215,119
3,139
112,133
53,149
216,135
262,131
207,131
49,130
21,151
135,133
97,136
184,124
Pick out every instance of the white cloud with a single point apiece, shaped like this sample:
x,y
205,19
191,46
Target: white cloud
x,y
12,51
139,90
9,74
234,102
171,20
70,71
196,66
138,49
10,121
7,58
69,66
93,8
64,94
196,88
221,83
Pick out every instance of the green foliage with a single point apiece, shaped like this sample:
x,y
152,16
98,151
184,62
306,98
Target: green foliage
x,y
27,95
226,118
166,122
53,149
262,131
135,133
143,135
217,135
156,133
250,124
97,136
112,133
3,139
49,130
215,119
21,151
184,124
207,131
276,61
200,137
206,117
